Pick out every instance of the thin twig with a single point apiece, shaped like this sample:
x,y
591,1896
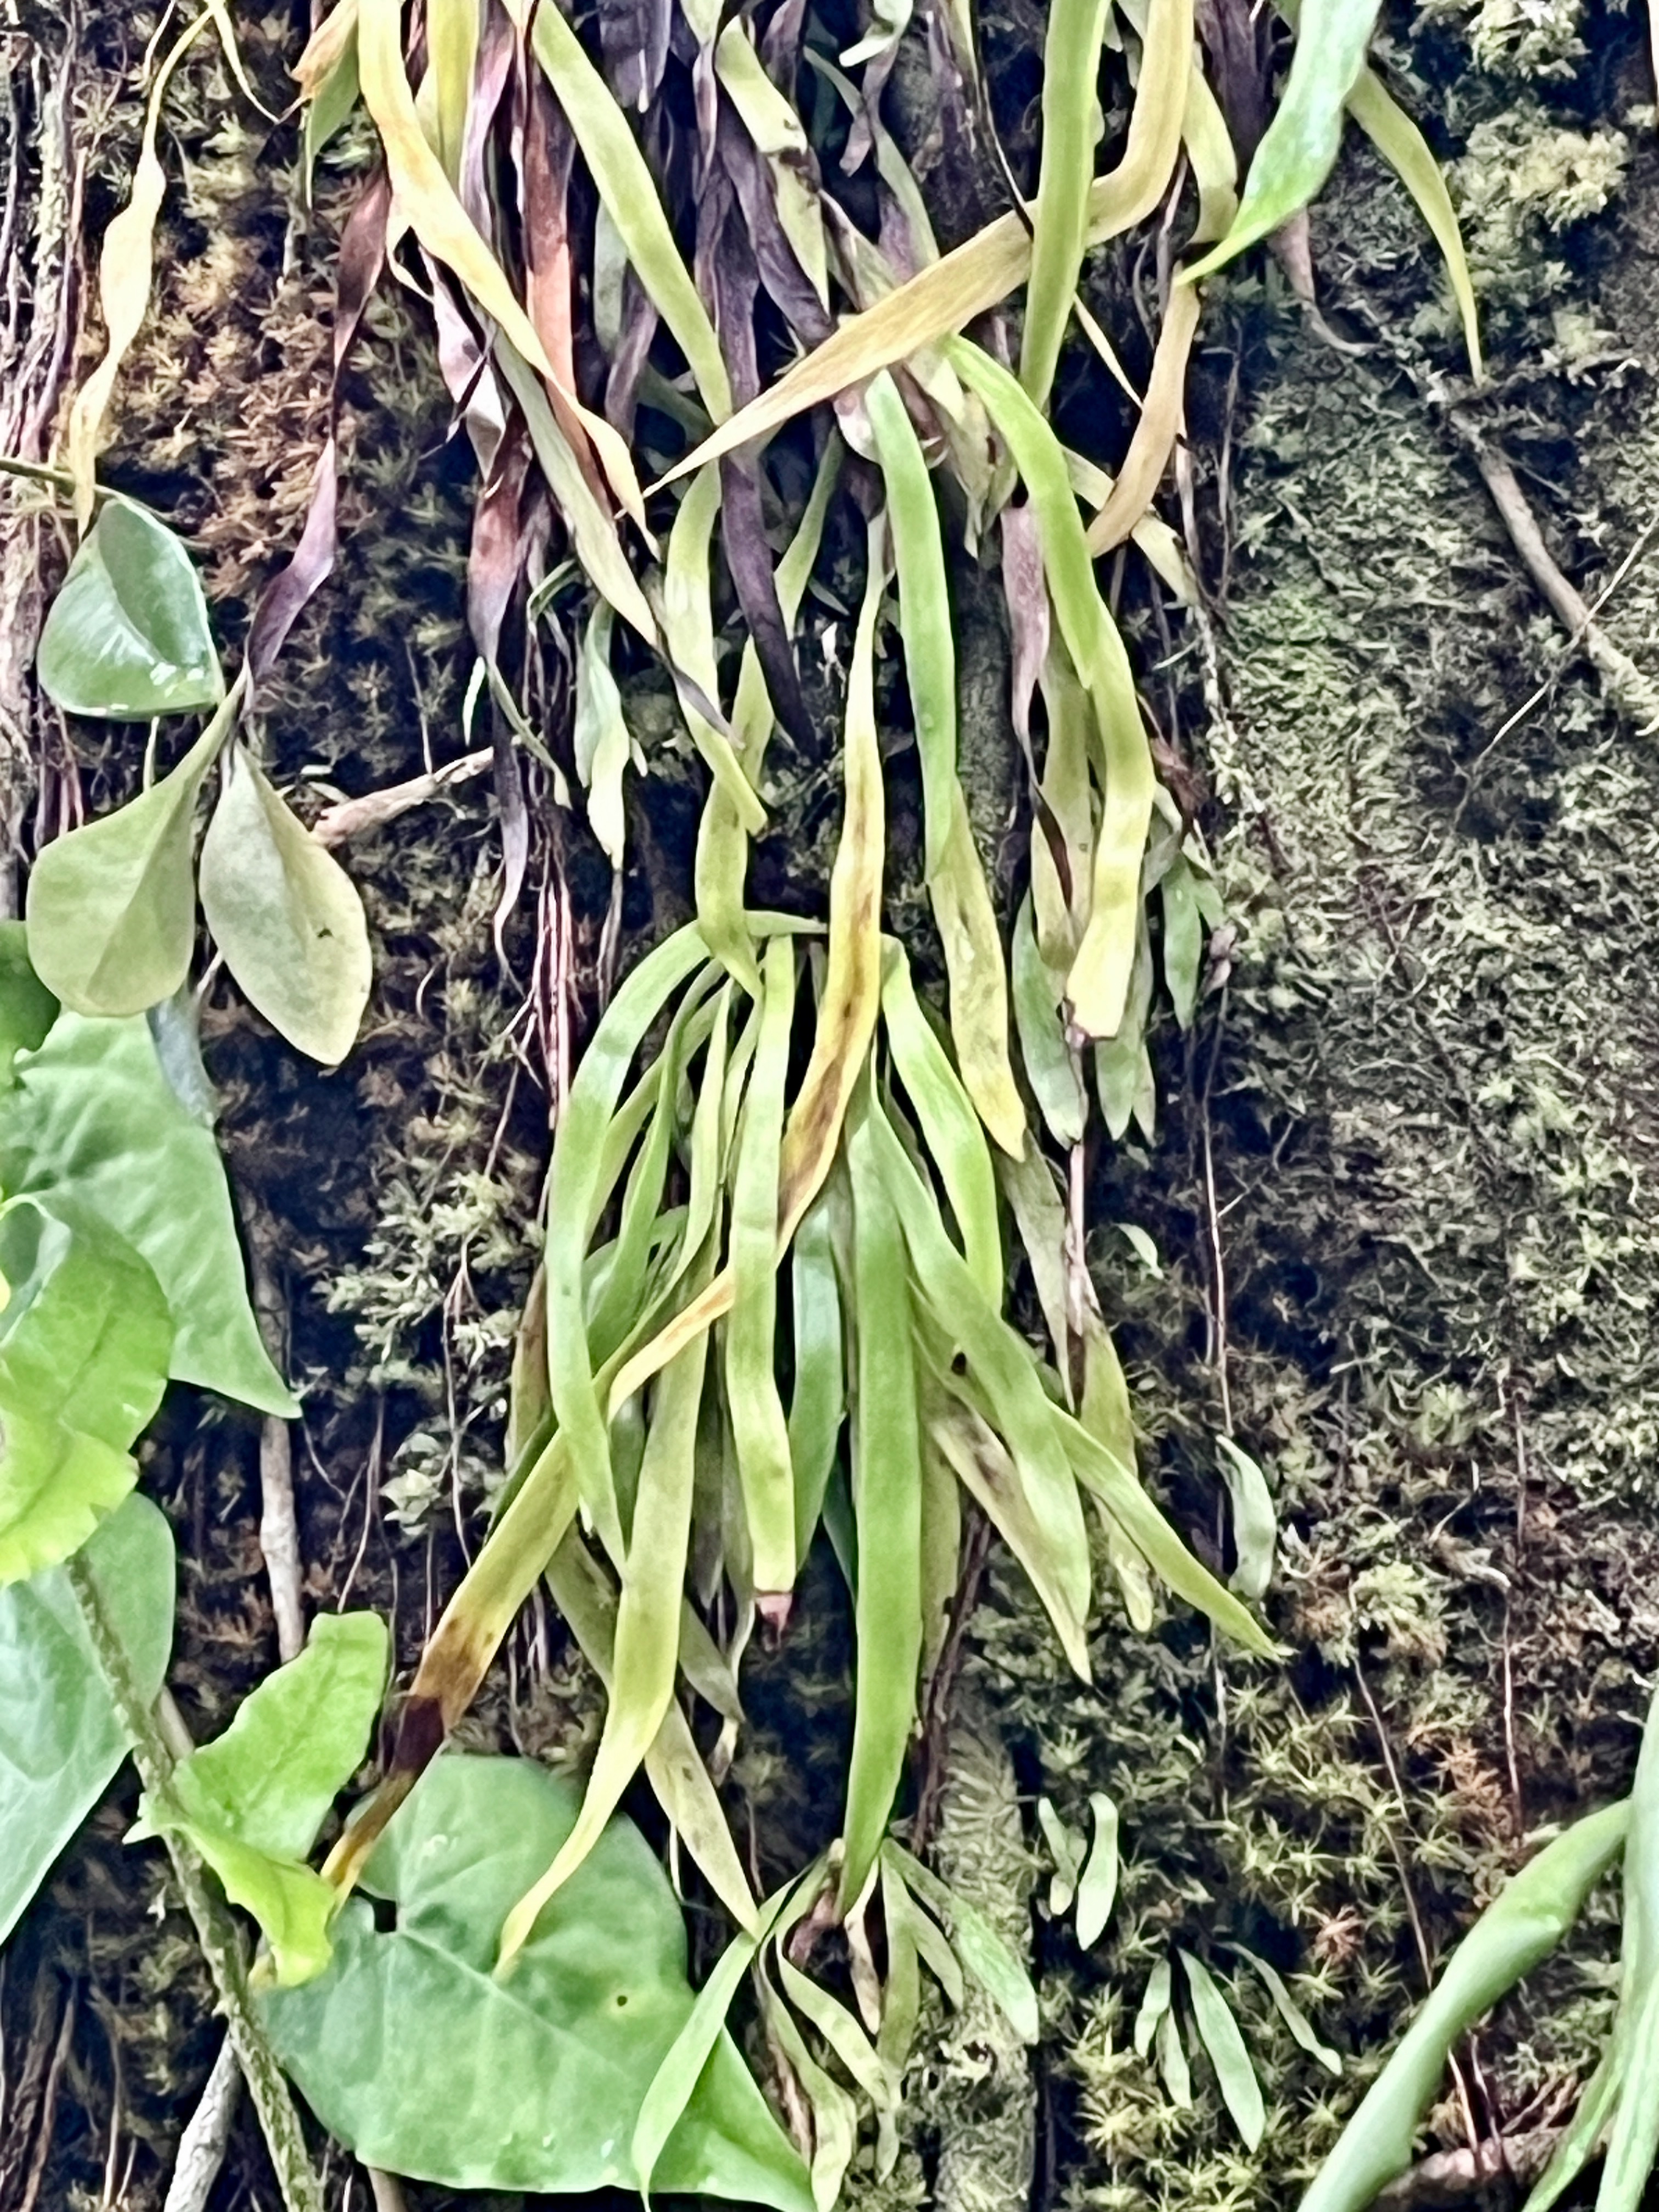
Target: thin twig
x,y
206,2139
216,1932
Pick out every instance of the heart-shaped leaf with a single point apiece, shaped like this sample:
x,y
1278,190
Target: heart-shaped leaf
x,y
84,1340
253,1800
285,916
60,1738
111,907
27,1009
93,1122
533,2081
128,636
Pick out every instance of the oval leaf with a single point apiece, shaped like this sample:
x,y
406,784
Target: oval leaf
x,y
536,2082
128,636
84,1341
62,1740
285,916
112,908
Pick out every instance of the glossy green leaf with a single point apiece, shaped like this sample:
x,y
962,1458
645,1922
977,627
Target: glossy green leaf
x,y
27,1009
94,1123
1256,1525
128,635
1300,148
1183,940
61,1740
535,2081
1523,1924
285,915
1219,2034
111,907
84,1338
1096,1889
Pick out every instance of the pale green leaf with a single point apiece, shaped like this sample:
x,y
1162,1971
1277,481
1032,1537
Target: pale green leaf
x,y
27,1009
1256,1525
1219,2034
285,915
111,907
1300,148
1096,1889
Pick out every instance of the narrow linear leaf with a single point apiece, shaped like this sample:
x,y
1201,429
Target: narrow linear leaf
x,y
1071,70
1300,148
1096,1889
887,1509
983,1951
1522,1925
760,1434
646,1637
1219,2034
1291,2013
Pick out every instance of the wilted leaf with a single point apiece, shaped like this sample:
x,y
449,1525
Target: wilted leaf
x,y
127,636
285,916
84,1338
94,1121
61,1740
111,907
535,2081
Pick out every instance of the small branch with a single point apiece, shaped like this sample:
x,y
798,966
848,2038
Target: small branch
x,y
206,2139
1631,692
216,1931
355,818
